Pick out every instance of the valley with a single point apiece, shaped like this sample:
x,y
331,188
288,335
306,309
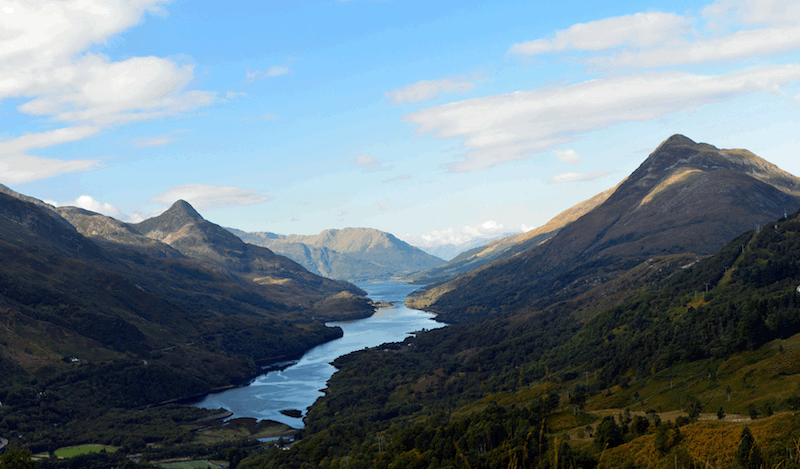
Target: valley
x,y
656,324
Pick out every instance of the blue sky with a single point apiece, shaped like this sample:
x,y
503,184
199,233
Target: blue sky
x,y
435,121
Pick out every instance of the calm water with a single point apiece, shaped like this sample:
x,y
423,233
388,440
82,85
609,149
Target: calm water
x,y
298,386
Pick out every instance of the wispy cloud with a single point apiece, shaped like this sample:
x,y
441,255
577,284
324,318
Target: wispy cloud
x,y
508,127
153,141
370,164
271,72
639,30
428,89
16,166
568,156
203,196
398,178
577,177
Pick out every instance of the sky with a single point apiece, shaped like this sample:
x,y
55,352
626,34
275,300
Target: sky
x,y
438,122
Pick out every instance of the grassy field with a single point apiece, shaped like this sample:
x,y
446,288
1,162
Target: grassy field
x,y
84,449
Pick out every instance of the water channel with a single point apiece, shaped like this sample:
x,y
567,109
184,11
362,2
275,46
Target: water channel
x,y
299,385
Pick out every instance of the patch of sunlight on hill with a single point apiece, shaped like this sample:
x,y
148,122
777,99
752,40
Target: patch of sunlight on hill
x,y
678,177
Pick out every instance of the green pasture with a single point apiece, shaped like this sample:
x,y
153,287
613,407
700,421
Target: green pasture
x,y
73,451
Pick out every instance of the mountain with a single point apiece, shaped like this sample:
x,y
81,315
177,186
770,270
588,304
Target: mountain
x,y
686,197
502,247
449,251
352,254
110,293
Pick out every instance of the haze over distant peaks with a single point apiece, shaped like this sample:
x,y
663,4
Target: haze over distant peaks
x,y
353,254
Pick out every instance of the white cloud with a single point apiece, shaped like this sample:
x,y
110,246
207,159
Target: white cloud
x,y
106,93
203,196
577,177
509,127
773,12
44,61
18,167
273,71
659,39
741,44
568,156
89,203
639,30
428,89
45,139
153,141
370,164
487,229
138,217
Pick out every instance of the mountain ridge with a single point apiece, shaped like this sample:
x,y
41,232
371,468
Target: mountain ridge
x,y
353,254
684,198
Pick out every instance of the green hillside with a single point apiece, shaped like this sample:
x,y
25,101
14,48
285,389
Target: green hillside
x,y
523,391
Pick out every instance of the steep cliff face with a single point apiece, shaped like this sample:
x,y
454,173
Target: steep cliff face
x,y
686,197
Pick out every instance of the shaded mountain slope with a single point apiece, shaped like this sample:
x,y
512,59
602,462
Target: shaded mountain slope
x,y
183,229
64,295
509,245
353,254
685,198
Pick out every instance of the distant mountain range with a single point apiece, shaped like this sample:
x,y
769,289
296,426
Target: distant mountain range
x,y
352,254
686,197
449,251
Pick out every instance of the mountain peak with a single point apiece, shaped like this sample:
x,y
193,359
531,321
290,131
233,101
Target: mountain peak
x,y
182,208
677,140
